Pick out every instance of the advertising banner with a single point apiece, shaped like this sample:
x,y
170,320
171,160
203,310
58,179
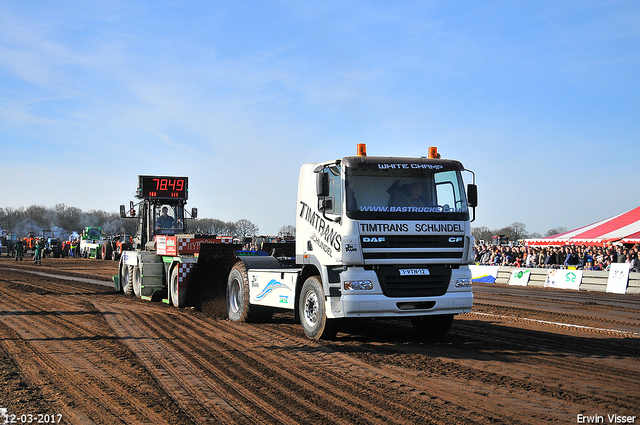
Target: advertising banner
x,y
618,278
485,274
520,277
563,279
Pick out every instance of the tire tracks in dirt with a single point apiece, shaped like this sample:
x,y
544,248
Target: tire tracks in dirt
x,y
489,370
99,357
598,321
299,367
53,340
239,364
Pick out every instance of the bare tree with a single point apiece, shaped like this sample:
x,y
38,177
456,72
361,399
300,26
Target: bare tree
x,y
67,218
9,218
287,231
40,215
482,233
556,231
519,231
219,227
95,218
245,228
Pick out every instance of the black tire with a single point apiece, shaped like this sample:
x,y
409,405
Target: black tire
x,y
432,326
313,315
136,280
107,251
115,254
126,285
238,307
178,299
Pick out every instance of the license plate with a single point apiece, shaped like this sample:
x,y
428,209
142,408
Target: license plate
x,y
414,272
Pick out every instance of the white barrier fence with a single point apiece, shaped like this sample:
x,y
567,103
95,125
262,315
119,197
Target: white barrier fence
x,y
616,280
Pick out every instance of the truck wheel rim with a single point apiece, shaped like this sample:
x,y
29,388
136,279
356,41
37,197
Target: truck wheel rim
x,y
311,306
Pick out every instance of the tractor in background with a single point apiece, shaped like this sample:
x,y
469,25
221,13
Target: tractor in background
x,y
91,242
164,261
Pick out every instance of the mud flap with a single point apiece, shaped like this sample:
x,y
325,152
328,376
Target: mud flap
x,y
116,282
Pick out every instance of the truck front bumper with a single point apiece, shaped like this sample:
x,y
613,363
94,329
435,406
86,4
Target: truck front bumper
x,y
377,305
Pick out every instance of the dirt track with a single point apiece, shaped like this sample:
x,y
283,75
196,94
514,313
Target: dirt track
x,y
525,355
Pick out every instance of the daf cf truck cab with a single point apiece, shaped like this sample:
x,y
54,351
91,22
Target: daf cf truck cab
x,y
376,237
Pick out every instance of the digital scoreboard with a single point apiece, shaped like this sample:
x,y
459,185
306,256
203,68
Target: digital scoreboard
x,y
162,187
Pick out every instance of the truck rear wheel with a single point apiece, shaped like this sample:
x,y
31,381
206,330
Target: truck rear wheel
x,y
136,279
435,326
125,279
313,314
238,307
177,298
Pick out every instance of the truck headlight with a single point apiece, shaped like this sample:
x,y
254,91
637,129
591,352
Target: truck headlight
x,y
464,282
358,285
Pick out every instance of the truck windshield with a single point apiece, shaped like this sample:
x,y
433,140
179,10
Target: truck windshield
x,y
405,191
169,219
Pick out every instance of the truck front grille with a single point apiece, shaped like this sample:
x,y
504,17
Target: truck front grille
x,y
431,248
395,285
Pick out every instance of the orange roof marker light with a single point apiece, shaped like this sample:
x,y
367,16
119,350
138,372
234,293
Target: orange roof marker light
x,y
362,149
433,153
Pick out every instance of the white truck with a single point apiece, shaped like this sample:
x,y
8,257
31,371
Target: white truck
x,y
376,237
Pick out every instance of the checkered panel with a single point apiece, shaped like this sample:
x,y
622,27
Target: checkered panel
x,y
183,272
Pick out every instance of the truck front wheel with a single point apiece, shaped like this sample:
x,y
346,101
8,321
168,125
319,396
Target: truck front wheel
x,y
313,314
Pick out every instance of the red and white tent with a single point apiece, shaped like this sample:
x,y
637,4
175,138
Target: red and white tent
x,y
622,228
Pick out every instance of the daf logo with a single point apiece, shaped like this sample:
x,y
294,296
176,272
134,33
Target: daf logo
x,y
380,239
455,239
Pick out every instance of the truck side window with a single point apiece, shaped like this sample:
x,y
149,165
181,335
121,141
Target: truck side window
x,y
448,191
335,189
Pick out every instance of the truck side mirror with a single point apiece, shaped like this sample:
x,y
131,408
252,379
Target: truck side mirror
x,y
123,213
194,212
322,184
472,195
325,204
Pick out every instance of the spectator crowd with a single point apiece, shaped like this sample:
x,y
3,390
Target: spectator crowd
x,y
582,257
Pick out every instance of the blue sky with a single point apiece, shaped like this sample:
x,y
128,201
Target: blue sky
x,y
540,98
